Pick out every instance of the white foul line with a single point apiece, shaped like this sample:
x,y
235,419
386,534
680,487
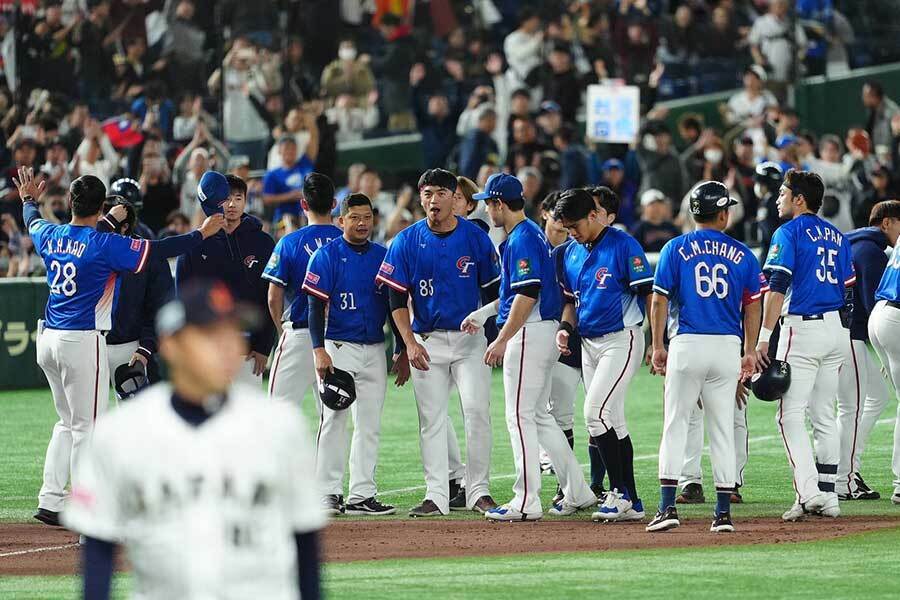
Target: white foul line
x,y
36,550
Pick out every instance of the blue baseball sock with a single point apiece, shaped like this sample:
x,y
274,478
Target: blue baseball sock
x,y
723,502
598,469
666,496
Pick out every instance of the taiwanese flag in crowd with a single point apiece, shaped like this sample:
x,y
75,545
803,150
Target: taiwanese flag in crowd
x,y
122,132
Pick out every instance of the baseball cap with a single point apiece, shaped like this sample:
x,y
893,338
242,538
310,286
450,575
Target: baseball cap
x,y
651,196
501,185
709,197
548,106
784,140
612,163
204,302
212,191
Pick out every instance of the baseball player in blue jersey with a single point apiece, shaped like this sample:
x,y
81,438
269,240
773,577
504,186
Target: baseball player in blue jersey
x,y
82,266
809,265
446,266
702,281
527,315
605,279
862,393
340,280
293,372
884,331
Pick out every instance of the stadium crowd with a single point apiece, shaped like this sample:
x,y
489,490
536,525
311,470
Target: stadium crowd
x,y
159,91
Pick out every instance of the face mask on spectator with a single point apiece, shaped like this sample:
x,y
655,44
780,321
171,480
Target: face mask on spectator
x,y
347,53
713,155
649,142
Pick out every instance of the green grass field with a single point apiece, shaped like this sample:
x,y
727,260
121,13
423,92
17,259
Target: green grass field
x,y
763,571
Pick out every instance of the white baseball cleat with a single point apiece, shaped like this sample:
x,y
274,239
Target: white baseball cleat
x,y
816,503
613,508
508,513
896,497
566,509
794,513
635,513
832,507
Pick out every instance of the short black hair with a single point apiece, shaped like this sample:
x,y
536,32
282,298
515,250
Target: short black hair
x,y
549,202
606,198
806,184
887,209
514,204
521,92
318,191
87,194
573,205
875,87
691,123
527,13
706,218
440,178
236,184
356,199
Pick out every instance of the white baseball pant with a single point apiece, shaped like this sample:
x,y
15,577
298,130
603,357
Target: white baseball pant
x,y
456,357
77,370
563,389
529,356
293,369
707,366
816,350
862,396
884,332
118,355
368,365
608,363
692,471
454,457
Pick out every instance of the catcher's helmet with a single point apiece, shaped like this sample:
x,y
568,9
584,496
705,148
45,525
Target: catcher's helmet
x,y
772,382
337,389
770,175
130,379
128,189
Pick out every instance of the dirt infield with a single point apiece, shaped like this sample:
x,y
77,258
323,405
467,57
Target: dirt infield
x,y
27,549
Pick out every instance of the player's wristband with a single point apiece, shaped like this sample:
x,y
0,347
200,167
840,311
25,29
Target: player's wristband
x,y
765,335
29,199
566,326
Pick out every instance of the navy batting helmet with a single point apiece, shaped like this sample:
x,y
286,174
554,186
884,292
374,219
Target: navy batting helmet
x,y
770,175
337,389
128,189
772,383
130,379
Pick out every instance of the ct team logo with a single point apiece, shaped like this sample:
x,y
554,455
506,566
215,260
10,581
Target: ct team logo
x,y
249,261
601,276
463,264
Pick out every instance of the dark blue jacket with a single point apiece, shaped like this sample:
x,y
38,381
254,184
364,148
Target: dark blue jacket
x,y
573,168
438,136
869,260
237,259
474,151
140,296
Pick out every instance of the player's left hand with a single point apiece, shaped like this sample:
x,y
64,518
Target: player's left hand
x,y
400,368
494,355
259,362
471,324
762,355
658,361
748,365
741,394
137,357
28,185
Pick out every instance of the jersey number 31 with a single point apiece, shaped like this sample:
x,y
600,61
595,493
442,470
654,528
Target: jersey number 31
x,y
711,281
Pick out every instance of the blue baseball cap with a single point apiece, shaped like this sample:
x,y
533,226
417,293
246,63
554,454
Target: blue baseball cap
x,y
212,191
612,163
501,185
784,140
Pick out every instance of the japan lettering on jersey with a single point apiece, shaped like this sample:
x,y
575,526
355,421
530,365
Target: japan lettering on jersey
x,y
818,259
889,288
526,261
443,275
244,480
707,277
287,266
601,281
82,266
345,278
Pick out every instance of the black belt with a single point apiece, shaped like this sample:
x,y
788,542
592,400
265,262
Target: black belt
x,y
806,318
299,325
893,303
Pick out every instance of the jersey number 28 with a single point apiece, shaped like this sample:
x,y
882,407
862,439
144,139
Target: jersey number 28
x,y
67,272
711,281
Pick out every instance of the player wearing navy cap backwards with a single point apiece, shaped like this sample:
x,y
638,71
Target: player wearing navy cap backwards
x,y
810,266
528,311
605,279
445,265
703,280
82,273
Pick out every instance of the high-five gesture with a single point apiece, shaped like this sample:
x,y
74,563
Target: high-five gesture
x,y
28,185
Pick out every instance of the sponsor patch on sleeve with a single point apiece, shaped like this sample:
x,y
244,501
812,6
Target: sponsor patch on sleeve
x,y
135,245
312,278
637,264
386,268
523,267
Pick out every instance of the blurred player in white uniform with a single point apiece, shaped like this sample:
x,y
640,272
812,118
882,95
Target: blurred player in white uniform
x,y
208,487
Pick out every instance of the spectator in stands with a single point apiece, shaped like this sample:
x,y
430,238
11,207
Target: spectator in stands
x,y
190,113
707,162
370,185
95,155
774,46
436,119
350,120
204,152
177,223
94,41
679,37
572,159
721,38
392,65
881,110
561,83
660,166
882,188
748,106
301,83
183,45
635,46
523,46
283,186
354,172
154,110
478,146
549,120
532,182
156,187
131,71
655,227
56,164
525,150
348,74
613,177
481,98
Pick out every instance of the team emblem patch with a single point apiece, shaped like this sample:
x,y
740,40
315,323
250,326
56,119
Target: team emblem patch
x,y
249,261
601,276
523,267
463,264
386,268
312,278
135,245
774,251
637,264
273,262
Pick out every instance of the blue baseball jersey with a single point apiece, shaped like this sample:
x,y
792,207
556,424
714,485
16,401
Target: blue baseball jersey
x,y
281,180
525,260
889,288
443,274
288,263
344,277
707,277
602,280
82,266
819,260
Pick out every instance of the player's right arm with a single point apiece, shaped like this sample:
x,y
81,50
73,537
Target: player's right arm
x,y
665,286
319,285
395,274
277,273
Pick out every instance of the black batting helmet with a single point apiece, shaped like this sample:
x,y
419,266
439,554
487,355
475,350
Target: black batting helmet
x,y
772,383
337,389
128,189
769,174
131,213
130,379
